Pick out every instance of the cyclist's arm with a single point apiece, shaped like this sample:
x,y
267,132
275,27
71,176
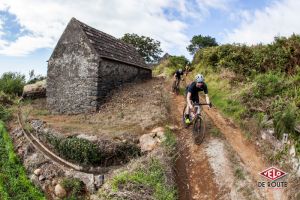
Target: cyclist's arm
x,y
188,99
207,99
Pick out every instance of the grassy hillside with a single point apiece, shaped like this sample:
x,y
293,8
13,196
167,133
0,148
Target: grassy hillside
x,y
258,86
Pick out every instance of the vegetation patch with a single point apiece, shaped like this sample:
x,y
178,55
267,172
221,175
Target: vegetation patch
x,y
74,187
255,84
12,83
14,184
147,180
85,152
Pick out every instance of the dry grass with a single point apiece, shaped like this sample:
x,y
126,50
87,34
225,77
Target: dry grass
x,y
132,109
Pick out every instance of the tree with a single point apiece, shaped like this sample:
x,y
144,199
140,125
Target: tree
x,y
148,48
178,61
199,42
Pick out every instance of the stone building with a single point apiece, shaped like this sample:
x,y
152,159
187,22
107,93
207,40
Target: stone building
x,y
86,65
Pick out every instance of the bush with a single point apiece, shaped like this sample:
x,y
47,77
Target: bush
x,y
12,83
74,187
5,114
6,99
285,120
85,152
282,55
78,150
269,84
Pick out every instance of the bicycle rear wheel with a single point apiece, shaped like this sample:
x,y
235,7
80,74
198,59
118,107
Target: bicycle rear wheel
x,y
198,130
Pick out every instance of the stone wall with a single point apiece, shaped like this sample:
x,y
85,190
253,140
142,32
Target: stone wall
x,y
113,74
72,74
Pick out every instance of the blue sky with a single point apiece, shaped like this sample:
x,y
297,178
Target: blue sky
x,y
29,30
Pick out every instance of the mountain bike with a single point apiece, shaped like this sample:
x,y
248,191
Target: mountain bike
x,y
197,121
175,86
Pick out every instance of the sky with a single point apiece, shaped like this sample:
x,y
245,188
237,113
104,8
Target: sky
x,y
29,30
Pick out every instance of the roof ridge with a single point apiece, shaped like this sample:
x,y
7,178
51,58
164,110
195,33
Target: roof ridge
x,y
108,46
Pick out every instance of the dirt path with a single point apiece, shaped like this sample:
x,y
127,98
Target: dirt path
x,y
245,149
200,182
194,174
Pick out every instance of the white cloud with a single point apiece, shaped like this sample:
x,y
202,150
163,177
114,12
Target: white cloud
x,y
280,18
45,20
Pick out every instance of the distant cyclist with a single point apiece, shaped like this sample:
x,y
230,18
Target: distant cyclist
x,y
192,94
177,77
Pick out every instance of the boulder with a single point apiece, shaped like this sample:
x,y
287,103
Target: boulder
x,y
37,172
148,142
60,191
36,90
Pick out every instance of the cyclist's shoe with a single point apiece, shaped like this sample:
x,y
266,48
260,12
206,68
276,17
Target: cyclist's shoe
x,y
187,120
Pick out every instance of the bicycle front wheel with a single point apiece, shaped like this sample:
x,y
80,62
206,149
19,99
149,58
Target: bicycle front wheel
x,y
198,130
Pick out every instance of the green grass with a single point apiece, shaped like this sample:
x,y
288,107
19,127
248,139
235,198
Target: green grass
x,y
220,95
170,141
14,183
152,177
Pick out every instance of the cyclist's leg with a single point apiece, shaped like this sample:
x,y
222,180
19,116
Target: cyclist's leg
x,y
178,83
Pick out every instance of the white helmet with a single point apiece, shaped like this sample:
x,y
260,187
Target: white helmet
x,y
180,70
199,78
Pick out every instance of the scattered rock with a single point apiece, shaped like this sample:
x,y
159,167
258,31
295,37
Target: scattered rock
x,y
37,172
60,191
99,180
150,141
87,179
42,178
147,142
34,161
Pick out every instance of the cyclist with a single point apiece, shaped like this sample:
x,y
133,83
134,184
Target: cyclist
x,y
177,77
192,95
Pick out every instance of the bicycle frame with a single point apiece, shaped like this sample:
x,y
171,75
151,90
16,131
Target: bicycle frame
x,y
197,108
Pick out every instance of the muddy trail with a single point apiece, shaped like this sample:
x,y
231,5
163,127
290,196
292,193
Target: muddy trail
x,y
193,173
199,176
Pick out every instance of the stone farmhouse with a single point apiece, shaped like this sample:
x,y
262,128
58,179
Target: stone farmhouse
x,y
86,65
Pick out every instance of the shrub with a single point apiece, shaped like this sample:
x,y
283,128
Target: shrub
x,y
12,83
79,150
5,113
5,99
74,187
269,84
285,120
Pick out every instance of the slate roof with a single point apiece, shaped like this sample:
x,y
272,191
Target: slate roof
x,y
110,47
